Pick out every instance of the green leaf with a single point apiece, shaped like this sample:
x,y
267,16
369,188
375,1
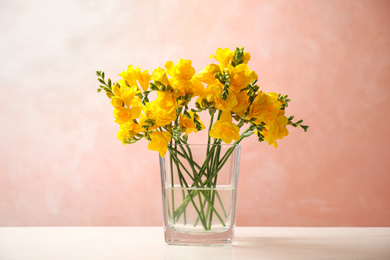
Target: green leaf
x,y
102,81
198,126
153,86
249,133
187,114
305,127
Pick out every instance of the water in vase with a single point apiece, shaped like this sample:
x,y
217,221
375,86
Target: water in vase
x,y
198,210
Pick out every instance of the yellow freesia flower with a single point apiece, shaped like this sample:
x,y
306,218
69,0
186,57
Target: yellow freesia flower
x,y
129,94
129,76
123,115
164,117
197,86
181,76
225,130
160,75
128,131
125,95
224,56
116,102
182,71
277,130
240,77
207,74
213,94
159,142
132,75
162,110
142,121
182,88
149,110
188,125
117,90
144,79
165,101
242,104
265,108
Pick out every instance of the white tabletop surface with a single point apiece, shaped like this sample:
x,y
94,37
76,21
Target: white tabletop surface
x,y
267,243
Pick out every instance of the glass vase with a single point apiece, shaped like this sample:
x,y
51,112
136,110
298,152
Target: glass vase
x,y
199,193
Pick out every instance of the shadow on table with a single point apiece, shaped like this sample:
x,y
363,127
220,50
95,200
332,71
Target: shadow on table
x,y
321,249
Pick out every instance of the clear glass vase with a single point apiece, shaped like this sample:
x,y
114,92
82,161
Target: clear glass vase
x,y
199,193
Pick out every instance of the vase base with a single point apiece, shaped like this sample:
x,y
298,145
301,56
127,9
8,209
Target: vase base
x,y
199,239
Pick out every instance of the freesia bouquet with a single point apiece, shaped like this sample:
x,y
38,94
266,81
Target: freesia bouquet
x,y
230,90
227,90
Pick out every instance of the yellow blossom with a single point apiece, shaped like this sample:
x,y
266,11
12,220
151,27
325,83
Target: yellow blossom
x,y
128,131
125,95
144,79
164,117
224,56
143,120
116,102
181,76
213,94
197,86
246,57
265,108
240,77
129,94
129,76
277,130
225,130
116,90
162,110
149,110
160,75
207,75
182,88
188,125
182,71
165,101
242,104
123,115
159,142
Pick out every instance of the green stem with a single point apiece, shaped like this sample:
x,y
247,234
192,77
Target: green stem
x,y
173,186
208,135
225,157
177,161
182,207
214,184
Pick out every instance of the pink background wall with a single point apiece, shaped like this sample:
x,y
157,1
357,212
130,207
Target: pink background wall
x,y
60,162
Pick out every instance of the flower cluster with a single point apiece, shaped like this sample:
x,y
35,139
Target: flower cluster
x,y
227,89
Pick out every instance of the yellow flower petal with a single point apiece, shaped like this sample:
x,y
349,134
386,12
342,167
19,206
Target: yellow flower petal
x,y
159,142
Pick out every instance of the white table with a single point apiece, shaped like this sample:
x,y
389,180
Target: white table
x,y
56,243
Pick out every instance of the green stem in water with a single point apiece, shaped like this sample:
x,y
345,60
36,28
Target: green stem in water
x,y
172,186
181,209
